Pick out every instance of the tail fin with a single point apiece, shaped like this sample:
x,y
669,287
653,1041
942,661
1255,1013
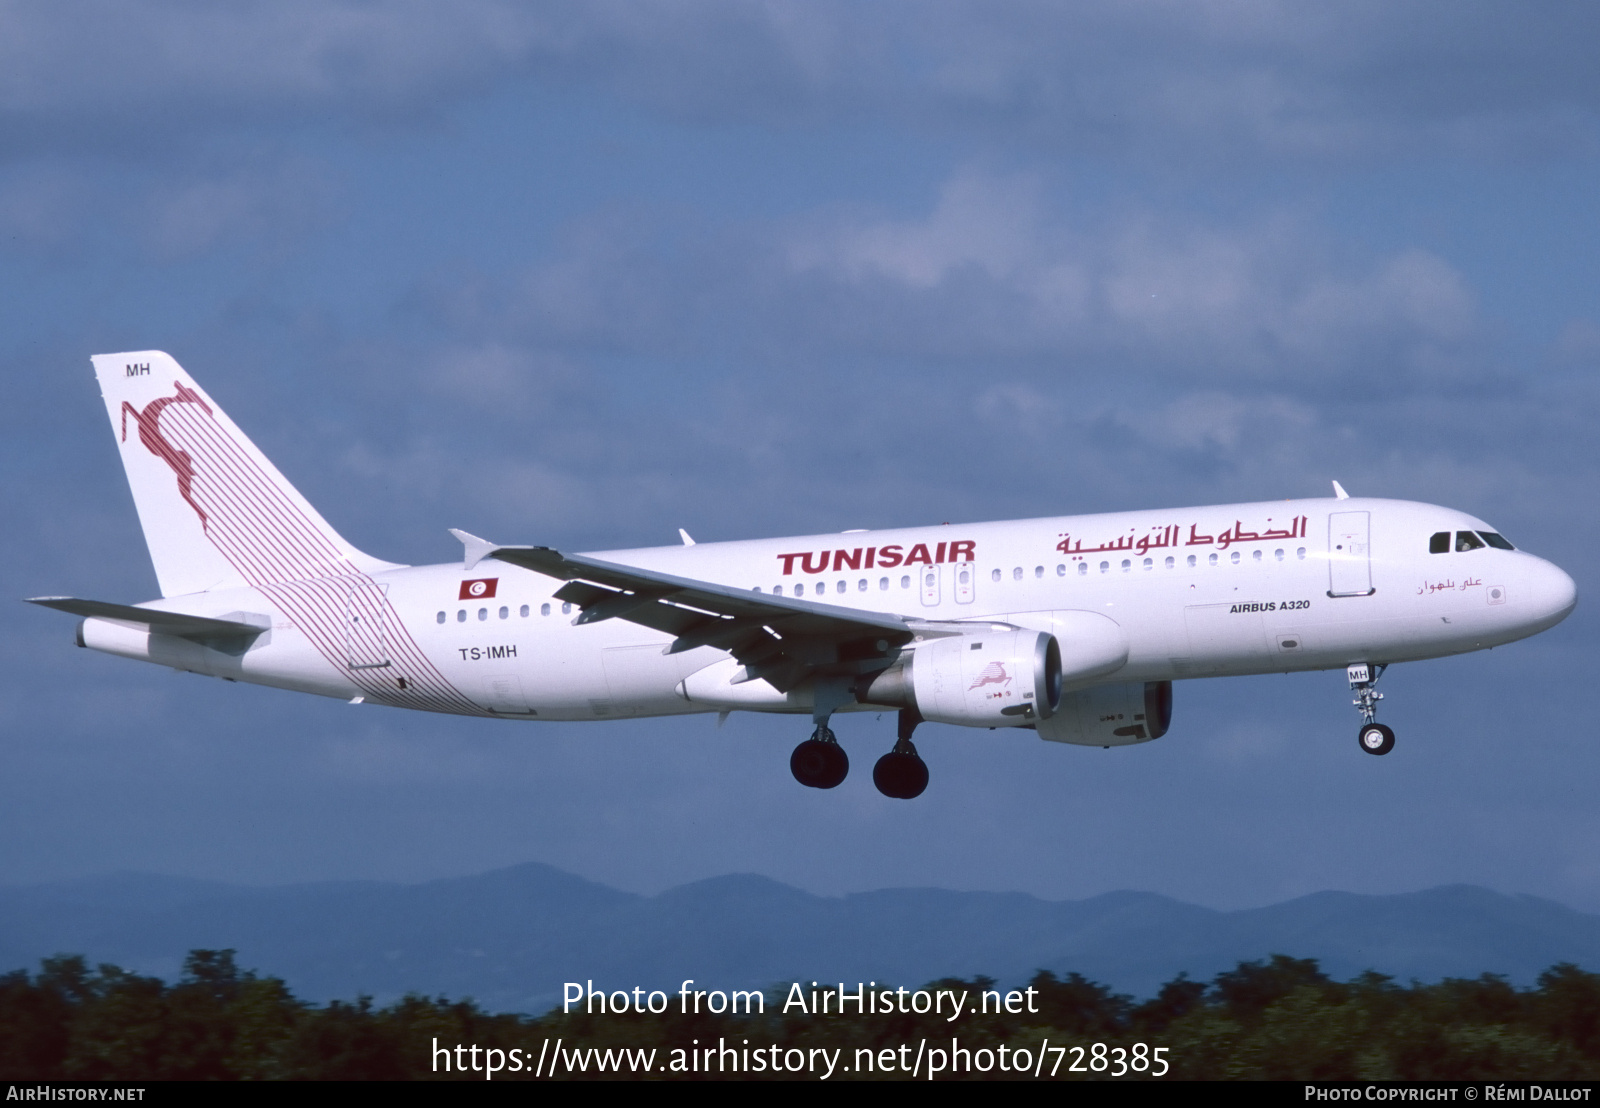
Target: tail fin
x,y
216,514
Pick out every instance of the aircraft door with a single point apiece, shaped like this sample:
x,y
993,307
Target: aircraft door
x,y
365,624
930,576
1349,554
966,576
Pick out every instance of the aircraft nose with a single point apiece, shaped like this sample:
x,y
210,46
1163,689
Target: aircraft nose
x,y
1552,593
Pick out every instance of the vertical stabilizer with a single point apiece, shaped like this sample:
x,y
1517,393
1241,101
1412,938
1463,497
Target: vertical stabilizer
x,y
215,512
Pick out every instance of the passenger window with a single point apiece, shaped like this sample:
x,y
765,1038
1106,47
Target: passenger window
x,y
995,576
1148,562
1466,540
1212,559
1300,553
1256,554
1191,561
441,618
822,587
905,582
1439,543
1016,574
544,609
840,587
1104,566
1278,554
1498,541
566,609
1126,565
1083,569
524,612
1061,569
483,614
964,577
461,615
1234,557
1171,561
1038,571
861,586
883,584
505,613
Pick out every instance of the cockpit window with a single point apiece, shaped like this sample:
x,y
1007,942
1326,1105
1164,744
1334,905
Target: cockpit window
x,y
1495,540
1466,540
1439,543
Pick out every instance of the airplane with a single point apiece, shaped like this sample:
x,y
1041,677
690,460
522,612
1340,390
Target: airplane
x,y
1074,627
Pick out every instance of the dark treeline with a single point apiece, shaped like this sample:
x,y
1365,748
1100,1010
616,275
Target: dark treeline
x,y
1279,1019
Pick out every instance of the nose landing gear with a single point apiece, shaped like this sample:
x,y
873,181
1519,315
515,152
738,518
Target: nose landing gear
x,y
1373,737
901,773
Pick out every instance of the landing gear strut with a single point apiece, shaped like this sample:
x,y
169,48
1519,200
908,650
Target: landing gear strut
x,y
820,762
902,773
1373,737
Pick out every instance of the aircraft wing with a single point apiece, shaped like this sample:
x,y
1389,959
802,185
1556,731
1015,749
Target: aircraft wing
x,y
779,640
165,623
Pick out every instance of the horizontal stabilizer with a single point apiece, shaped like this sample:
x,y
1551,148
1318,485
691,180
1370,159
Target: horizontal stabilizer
x,y
165,623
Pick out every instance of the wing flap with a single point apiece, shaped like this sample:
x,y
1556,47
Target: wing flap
x,y
784,640
802,616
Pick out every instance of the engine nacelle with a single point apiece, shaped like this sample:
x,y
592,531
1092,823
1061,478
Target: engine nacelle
x,y
1111,715
988,679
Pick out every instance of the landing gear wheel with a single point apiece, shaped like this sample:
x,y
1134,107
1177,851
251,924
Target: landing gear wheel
x,y
819,762
1375,738
901,774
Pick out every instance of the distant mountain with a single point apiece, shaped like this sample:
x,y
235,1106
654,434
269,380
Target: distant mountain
x,y
510,938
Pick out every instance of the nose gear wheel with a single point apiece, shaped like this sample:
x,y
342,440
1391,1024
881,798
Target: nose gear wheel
x,y
1375,738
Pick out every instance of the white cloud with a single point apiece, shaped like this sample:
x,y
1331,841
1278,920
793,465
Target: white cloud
x,y
985,222
1213,420
995,269
40,204
1202,80
272,202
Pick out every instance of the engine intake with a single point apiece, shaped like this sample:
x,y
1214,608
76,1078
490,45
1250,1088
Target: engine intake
x,y
1112,715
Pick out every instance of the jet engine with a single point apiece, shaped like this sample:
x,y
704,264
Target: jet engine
x,y
993,678
1111,715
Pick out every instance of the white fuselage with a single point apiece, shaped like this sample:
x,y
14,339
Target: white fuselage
x,y
1232,589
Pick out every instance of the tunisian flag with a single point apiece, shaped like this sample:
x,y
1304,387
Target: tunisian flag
x,y
481,589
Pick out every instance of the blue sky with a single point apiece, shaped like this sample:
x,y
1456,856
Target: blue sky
x,y
582,274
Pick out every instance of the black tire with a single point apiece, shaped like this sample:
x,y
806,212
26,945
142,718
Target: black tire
x,y
901,776
1375,738
819,765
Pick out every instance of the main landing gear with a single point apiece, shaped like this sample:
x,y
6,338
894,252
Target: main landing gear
x,y
902,773
1373,737
819,762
